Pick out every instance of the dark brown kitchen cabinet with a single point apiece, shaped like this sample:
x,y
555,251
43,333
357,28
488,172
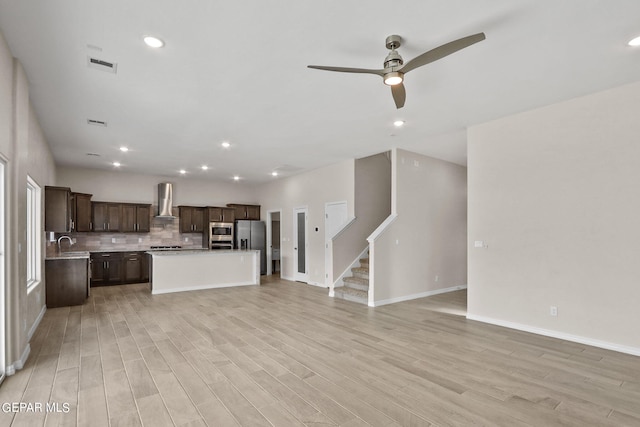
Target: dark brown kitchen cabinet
x,y
135,217
106,268
251,212
57,209
146,263
217,214
105,216
80,212
67,282
132,266
191,219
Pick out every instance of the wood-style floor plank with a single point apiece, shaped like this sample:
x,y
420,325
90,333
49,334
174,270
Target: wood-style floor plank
x,y
284,353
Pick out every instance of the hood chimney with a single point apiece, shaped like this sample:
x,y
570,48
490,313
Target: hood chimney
x,y
165,200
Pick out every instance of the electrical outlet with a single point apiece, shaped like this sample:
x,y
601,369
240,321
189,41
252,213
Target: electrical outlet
x,y
553,310
437,277
113,240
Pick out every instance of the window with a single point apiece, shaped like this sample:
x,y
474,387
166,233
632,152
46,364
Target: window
x,y
34,234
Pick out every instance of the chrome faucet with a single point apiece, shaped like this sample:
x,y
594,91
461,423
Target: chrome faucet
x,y
65,237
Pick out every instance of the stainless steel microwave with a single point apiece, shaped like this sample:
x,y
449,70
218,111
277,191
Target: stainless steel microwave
x,y
220,231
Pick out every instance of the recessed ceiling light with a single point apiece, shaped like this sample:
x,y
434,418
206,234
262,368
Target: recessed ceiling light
x,y
274,173
205,167
124,149
236,178
182,171
226,144
153,41
398,123
116,164
634,42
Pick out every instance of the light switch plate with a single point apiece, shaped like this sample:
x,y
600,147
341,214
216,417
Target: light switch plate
x,y
478,244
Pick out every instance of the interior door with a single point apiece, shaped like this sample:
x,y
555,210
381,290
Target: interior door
x,y
335,217
300,244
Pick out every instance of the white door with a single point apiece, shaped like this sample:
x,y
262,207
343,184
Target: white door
x,y
300,244
335,217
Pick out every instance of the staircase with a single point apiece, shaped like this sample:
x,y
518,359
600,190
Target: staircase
x,y
356,286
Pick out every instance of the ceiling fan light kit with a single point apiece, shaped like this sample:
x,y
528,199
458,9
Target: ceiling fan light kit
x,y
393,78
395,68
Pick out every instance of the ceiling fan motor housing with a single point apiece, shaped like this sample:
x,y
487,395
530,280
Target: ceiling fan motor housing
x,y
393,59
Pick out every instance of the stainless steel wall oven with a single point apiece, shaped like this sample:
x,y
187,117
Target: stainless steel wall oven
x,y
221,235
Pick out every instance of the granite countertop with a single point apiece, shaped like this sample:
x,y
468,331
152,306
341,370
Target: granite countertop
x,y
68,255
86,253
203,251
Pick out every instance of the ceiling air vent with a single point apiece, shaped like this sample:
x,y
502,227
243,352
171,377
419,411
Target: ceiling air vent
x,y
97,122
103,65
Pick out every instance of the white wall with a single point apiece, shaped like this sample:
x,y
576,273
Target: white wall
x,y
554,193
372,201
122,186
428,236
312,189
25,151
41,168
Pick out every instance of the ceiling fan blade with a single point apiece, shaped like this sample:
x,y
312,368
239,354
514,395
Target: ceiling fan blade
x,y
399,95
442,51
348,70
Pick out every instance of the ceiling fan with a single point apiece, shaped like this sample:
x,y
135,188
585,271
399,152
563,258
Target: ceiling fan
x,y
395,68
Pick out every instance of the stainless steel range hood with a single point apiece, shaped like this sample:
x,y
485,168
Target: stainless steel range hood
x,y
165,200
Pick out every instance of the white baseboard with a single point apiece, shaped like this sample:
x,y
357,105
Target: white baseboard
x,y
18,364
416,296
37,322
557,334
320,285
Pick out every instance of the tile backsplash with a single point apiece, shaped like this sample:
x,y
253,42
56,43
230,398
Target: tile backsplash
x,y
163,232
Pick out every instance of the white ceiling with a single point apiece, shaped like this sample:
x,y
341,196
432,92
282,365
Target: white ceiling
x,y
236,71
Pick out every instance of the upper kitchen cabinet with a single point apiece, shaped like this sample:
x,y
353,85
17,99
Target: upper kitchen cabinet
x,y
191,219
246,211
80,212
106,216
57,209
135,217
221,214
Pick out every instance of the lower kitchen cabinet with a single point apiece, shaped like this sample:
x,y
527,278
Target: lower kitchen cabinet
x,y
146,263
67,282
133,263
118,268
106,268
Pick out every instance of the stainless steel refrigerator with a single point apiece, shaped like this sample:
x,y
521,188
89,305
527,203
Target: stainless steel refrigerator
x,y
252,235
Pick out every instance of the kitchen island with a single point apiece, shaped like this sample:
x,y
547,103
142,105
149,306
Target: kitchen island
x,y
188,270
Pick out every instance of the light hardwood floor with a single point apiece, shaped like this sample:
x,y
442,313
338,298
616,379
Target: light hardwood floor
x,y
285,354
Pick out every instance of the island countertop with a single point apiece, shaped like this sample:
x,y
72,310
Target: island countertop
x,y
203,251
185,270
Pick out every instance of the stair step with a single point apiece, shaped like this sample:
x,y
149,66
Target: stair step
x,y
362,272
353,295
356,283
364,262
